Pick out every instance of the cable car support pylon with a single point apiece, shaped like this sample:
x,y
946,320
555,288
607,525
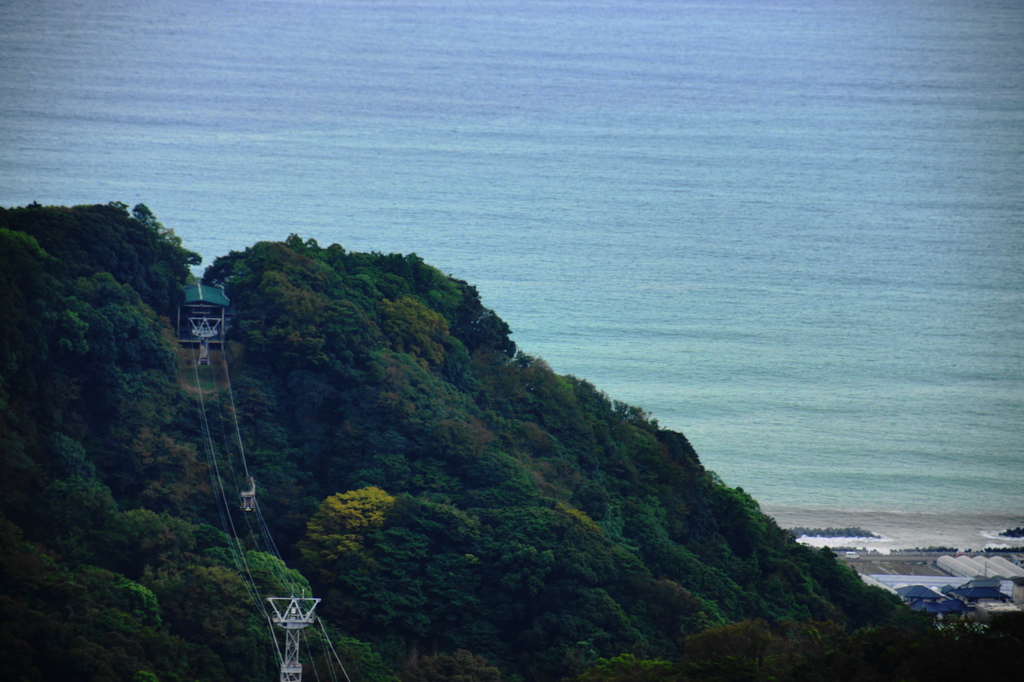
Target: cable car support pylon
x,y
292,614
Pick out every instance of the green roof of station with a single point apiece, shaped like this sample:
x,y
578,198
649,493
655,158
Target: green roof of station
x,y
200,293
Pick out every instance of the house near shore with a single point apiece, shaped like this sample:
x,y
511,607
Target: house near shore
x,y
918,593
941,610
953,596
977,591
927,600
982,599
1018,591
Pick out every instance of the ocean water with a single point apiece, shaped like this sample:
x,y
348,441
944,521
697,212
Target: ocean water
x,y
791,229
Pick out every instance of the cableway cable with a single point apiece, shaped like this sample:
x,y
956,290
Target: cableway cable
x,y
332,650
235,548
262,533
261,536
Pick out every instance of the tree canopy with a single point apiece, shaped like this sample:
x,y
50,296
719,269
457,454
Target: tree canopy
x,y
463,510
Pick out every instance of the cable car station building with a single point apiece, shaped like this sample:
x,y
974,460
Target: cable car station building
x,y
203,317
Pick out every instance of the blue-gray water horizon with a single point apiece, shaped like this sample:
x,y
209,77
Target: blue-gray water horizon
x,y
791,229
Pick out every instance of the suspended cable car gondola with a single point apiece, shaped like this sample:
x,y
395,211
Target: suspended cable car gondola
x,y
249,497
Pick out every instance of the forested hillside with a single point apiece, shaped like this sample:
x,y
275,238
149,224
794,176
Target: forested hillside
x,y
457,504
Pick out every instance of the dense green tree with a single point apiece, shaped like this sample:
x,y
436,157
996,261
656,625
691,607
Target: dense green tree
x,y
360,660
629,668
414,329
459,666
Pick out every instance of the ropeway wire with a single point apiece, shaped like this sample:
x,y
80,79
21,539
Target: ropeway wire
x,y
217,481
234,412
264,529
309,652
235,536
333,651
237,554
278,568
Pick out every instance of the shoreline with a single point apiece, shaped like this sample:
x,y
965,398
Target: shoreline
x,y
900,531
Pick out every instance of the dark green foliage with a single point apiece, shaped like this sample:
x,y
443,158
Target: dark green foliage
x,y
93,422
463,509
136,250
460,666
754,651
362,662
61,618
629,668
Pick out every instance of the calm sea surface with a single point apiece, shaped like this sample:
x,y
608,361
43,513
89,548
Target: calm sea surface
x,y
791,229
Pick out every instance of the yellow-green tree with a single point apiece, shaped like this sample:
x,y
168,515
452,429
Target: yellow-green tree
x,y
339,525
415,329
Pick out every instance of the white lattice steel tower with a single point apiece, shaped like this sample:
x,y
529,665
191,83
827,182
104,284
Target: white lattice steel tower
x,y
292,614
